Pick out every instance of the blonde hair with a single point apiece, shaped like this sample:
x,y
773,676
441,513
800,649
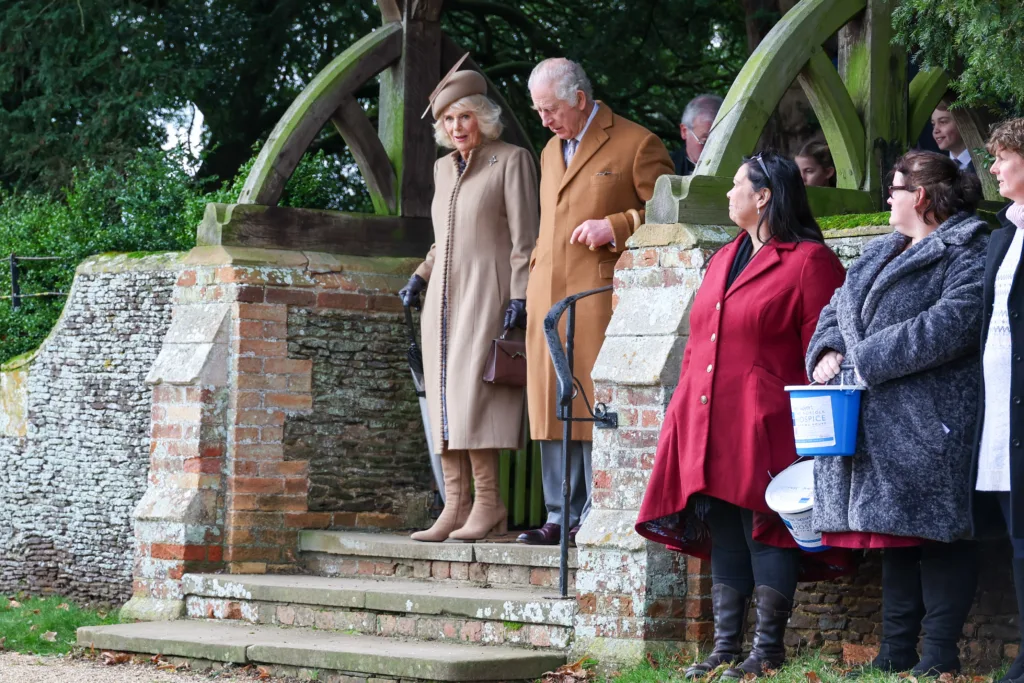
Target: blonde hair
x,y
488,118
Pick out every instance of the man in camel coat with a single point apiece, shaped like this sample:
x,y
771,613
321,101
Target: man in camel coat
x,y
597,173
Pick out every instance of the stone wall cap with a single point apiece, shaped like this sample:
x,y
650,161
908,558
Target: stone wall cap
x,y
131,261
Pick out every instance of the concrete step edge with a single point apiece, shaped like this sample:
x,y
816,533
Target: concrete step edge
x,y
526,606
392,546
376,656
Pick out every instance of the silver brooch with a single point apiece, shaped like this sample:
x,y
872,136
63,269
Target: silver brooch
x,y
493,161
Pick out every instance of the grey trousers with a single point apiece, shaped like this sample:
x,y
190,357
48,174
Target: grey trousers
x,y
580,479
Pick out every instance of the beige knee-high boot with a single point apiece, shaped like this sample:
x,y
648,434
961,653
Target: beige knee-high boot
x,y
457,477
489,514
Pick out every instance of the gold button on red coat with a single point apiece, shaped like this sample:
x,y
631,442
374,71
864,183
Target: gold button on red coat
x,y
709,368
704,400
714,336
718,306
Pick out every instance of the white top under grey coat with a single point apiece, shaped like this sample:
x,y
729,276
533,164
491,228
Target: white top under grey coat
x,y
994,453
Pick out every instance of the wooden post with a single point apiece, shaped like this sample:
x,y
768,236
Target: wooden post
x,y
404,89
875,73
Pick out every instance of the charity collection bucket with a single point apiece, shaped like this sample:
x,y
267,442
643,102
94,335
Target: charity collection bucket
x,y
791,495
825,417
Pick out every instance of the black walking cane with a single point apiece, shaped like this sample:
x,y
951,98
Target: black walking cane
x,y
567,388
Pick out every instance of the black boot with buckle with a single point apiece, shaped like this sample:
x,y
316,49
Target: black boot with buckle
x,y
768,652
730,610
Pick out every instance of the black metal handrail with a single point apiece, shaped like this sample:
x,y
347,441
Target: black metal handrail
x,y
567,388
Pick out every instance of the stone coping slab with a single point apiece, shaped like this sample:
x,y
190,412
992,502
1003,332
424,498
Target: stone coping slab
x,y
360,544
307,648
527,606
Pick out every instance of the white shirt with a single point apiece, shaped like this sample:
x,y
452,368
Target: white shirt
x,y
964,158
566,155
994,454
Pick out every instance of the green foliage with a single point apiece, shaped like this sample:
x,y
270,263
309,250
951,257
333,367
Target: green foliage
x,y
646,58
853,220
979,42
46,626
810,668
149,204
94,82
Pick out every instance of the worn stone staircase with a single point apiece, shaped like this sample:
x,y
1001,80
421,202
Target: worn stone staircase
x,y
373,607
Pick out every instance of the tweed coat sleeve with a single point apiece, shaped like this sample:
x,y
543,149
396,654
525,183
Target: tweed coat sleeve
x,y
522,206
650,163
826,336
820,278
949,329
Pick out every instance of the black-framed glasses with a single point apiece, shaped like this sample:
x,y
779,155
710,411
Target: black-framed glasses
x,y
764,168
905,188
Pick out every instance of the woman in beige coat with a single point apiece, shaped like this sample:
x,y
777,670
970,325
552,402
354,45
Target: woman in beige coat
x,y
485,215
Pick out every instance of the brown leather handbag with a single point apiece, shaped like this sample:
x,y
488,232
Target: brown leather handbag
x,y
506,362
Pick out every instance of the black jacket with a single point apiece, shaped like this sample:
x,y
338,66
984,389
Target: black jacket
x,y
998,245
682,163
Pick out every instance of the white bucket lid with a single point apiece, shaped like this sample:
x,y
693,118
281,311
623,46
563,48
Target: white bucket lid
x,y
825,387
792,491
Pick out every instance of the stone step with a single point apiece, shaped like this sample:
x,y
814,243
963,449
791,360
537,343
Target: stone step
x,y
306,653
353,553
517,616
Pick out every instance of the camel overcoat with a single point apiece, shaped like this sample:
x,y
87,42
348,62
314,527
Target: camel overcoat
x,y
485,228
611,176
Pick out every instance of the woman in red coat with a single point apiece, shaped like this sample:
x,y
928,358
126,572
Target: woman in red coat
x,y
728,429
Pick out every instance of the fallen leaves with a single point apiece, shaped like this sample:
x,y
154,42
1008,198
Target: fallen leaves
x,y
115,658
570,673
262,673
13,604
858,655
49,636
64,606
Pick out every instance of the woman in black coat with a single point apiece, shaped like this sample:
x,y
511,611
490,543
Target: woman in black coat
x,y
998,468
907,318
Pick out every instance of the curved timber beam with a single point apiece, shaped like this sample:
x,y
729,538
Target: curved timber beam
x,y
837,116
361,137
765,77
312,109
926,91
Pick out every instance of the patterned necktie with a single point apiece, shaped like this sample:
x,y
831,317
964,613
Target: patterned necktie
x,y
570,150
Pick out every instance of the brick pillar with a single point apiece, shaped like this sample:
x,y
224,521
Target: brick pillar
x,y
635,596
221,495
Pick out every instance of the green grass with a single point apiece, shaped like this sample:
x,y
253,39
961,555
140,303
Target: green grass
x,y
810,668
26,623
853,220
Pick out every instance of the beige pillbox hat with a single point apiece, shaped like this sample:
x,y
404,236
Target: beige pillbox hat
x,y
454,86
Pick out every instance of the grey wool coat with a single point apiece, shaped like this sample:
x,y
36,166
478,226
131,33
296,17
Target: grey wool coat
x,y
910,322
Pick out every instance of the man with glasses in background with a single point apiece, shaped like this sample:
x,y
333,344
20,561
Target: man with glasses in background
x,y
698,116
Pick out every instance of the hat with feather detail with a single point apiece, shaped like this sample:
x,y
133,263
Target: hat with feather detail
x,y
454,86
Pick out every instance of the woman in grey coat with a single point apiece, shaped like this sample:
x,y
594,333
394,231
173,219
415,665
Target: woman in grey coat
x,y
908,318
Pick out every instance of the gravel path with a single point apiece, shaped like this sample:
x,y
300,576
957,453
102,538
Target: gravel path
x,y
16,668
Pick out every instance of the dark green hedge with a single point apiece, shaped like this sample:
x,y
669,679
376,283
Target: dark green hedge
x,y
151,204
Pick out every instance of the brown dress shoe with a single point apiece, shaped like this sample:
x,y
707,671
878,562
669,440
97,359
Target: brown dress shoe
x,y
546,535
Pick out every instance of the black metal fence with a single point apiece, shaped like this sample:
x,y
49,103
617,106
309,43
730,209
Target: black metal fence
x,y
17,263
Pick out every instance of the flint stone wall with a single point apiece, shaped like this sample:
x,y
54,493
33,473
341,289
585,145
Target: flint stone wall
x,y
74,463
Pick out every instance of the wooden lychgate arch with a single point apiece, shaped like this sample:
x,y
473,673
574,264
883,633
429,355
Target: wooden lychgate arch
x,y
409,52
867,110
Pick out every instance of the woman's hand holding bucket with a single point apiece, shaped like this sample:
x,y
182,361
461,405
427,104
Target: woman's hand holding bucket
x,y
828,367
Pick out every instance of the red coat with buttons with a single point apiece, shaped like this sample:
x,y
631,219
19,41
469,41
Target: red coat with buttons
x,y
728,428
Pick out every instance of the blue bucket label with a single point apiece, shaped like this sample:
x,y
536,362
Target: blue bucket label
x,y
813,426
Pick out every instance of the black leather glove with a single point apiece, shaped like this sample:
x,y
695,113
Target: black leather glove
x,y
515,314
410,294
